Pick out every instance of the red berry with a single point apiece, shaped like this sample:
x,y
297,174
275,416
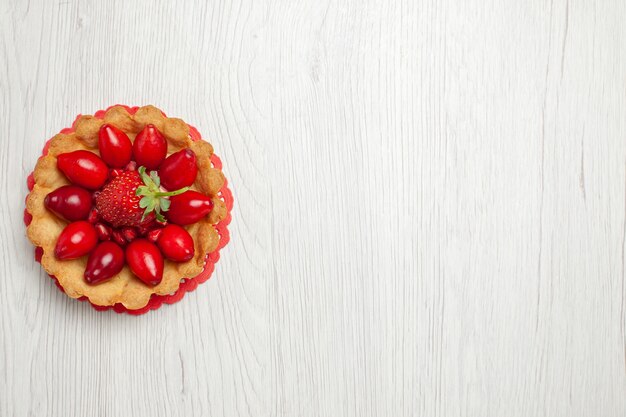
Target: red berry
x,y
104,233
153,235
188,207
83,168
93,216
150,147
129,234
118,237
69,202
106,261
115,147
145,261
133,199
178,170
77,239
118,204
176,243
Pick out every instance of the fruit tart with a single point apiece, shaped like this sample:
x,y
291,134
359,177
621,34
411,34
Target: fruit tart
x,y
128,209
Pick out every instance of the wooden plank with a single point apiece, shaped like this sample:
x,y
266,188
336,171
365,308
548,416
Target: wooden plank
x,y
430,208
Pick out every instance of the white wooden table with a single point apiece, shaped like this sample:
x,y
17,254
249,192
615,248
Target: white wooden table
x,y
429,219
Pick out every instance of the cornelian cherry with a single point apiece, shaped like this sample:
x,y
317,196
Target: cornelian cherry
x,y
176,243
83,168
150,147
69,202
188,207
77,239
178,170
106,261
145,261
114,145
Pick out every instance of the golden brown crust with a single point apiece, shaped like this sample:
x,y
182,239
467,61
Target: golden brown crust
x,y
45,227
87,131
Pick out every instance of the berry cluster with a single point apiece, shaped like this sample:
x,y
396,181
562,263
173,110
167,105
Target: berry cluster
x,y
127,206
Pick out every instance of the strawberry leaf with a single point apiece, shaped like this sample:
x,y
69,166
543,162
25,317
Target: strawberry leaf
x,y
154,200
155,178
144,202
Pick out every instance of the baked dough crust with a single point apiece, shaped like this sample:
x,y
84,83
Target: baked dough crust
x,y
45,227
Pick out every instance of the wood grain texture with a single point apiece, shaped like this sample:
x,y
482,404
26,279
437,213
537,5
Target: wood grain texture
x,y
429,220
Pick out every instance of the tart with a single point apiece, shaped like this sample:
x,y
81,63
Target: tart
x,y
128,209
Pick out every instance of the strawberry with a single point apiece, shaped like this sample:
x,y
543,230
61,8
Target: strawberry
x,y
134,198
117,203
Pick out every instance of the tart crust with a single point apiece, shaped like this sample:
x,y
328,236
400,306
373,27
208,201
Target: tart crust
x,y
45,227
